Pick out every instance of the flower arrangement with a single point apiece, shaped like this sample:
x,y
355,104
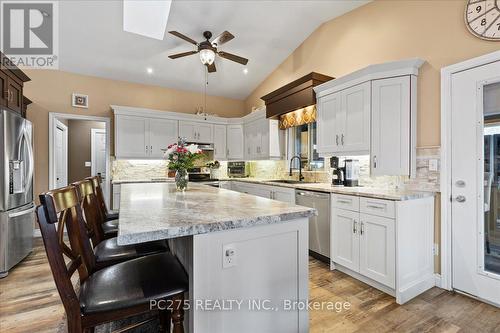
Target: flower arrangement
x,y
181,157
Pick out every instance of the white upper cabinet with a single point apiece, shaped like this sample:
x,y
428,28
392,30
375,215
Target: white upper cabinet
x,y
196,131
344,121
131,139
220,142
327,109
372,112
140,137
162,133
263,140
235,142
353,123
392,122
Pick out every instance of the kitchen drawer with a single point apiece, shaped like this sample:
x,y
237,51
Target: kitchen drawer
x,y
348,202
378,207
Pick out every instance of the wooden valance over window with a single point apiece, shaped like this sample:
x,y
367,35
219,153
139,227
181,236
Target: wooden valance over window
x,y
298,117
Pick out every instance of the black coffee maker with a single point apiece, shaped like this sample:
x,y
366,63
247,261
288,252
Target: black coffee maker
x,y
337,172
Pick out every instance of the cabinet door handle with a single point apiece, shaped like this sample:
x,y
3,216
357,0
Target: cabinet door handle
x,y
146,149
354,227
342,139
151,149
374,161
337,139
227,152
362,228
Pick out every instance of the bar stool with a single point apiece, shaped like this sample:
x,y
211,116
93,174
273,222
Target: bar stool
x,y
107,251
113,293
110,220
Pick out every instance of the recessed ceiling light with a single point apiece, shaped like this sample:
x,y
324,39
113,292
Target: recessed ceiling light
x,y
149,70
245,70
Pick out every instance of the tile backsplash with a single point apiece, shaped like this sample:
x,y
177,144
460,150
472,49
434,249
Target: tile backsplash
x,y
425,179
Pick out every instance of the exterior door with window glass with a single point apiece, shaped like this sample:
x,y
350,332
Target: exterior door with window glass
x,y
476,181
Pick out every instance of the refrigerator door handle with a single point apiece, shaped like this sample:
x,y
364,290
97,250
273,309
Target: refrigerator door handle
x,y
29,178
21,213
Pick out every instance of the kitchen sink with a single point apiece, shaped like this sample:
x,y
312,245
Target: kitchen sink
x,y
288,181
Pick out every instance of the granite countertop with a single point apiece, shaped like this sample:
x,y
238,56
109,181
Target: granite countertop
x,y
156,211
143,180
371,192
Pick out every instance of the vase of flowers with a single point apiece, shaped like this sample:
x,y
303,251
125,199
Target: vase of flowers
x,y
181,157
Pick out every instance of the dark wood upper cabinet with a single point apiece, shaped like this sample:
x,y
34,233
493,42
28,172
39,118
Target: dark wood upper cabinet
x,y
295,95
11,82
3,88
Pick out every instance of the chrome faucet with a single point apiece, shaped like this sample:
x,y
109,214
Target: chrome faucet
x,y
301,178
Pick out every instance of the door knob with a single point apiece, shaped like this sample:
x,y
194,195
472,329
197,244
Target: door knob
x,y
460,198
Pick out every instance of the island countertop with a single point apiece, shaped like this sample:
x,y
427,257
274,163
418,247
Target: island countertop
x,y
154,211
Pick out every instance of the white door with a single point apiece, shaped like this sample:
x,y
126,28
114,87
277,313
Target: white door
x,y
235,142
60,155
344,237
390,130
220,144
98,156
355,119
475,122
161,133
327,138
377,249
131,137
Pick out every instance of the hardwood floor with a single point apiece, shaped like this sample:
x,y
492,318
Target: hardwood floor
x,y
29,302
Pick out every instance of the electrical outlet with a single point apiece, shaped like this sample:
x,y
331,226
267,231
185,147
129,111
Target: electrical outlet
x,y
88,164
229,256
433,164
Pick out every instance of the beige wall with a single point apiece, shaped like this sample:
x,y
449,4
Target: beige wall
x,y
384,31
79,147
51,91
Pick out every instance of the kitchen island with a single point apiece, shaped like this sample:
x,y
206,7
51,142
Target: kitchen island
x,y
246,256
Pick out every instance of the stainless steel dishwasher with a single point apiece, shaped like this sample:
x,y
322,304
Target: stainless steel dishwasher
x,y
319,226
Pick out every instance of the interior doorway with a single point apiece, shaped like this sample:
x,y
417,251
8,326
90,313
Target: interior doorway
x,y
60,154
471,178
87,151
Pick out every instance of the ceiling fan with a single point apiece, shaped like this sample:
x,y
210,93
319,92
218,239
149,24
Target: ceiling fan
x,y
208,49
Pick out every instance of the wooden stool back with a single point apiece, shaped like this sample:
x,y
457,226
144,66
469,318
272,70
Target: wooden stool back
x,y
91,210
96,181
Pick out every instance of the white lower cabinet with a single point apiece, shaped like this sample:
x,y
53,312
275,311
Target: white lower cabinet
x,y
116,196
366,235
278,193
345,238
377,256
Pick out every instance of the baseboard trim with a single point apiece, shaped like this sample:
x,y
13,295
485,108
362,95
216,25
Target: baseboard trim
x,y
437,280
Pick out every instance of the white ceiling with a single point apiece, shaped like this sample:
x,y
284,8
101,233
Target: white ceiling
x,y
93,42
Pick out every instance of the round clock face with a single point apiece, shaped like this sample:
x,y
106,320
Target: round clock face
x,y
483,18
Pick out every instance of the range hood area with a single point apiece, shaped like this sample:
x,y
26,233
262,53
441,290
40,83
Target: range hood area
x,y
294,95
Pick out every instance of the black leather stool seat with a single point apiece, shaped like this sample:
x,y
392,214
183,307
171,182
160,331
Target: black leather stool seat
x,y
109,251
111,217
133,283
110,228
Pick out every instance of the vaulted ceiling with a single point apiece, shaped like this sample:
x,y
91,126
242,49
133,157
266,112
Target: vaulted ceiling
x,y
92,41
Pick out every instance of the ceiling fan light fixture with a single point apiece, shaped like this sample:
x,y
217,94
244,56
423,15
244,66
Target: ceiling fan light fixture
x,y
207,56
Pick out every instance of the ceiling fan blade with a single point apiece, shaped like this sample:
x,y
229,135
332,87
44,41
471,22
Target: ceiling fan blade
x,y
224,37
233,57
181,36
183,54
211,68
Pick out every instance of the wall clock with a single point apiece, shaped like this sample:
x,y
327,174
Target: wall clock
x,y
482,18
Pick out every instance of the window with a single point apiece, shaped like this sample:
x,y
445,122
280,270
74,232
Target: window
x,y
302,142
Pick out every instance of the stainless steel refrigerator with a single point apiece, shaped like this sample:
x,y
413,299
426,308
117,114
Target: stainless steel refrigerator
x,y
16,189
